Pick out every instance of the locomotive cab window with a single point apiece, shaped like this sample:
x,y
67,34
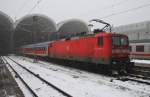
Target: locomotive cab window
x,y
140,48
119,41
100,41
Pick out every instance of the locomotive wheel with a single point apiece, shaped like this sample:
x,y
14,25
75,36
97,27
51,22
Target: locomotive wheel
x,y
122,72
130,67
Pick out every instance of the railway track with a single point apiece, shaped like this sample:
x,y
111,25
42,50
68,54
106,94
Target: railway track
x,y
139,70
134,79
140,74
122,83
22,80
37,77
139,78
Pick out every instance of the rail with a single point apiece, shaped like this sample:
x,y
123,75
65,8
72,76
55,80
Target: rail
x,y
42,79
26,85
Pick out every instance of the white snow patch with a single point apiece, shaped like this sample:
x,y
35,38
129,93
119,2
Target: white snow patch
x,y
41,89
84,84
141,61
24,90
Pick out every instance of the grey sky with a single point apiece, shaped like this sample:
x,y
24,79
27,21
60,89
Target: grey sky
x,y
60,10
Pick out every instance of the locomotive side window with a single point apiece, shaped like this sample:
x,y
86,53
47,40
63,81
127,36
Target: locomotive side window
x,y
140,48
100,41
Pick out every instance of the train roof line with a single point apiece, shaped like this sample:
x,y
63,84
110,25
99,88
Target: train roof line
x,y
140,41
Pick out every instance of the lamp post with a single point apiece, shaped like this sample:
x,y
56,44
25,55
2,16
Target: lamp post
x,y
35,19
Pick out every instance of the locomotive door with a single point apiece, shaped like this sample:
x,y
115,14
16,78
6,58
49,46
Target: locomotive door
x,y
89,48
99,48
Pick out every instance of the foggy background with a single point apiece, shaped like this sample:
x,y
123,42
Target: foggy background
x,y
116,12
33,21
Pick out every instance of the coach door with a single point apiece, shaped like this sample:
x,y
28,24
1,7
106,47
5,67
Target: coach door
x,y
90,48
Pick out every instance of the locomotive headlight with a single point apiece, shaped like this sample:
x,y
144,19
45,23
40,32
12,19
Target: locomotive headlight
x,y
113,51
124,51
120,51
128,51
116,51
114,62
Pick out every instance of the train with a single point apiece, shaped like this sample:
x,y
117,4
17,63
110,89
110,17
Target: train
x,y
108,49
105,49
140,49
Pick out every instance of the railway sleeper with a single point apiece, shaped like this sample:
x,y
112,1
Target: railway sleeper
x,y
133,79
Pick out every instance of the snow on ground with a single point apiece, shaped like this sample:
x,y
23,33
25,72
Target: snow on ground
x,y
25,91
84,84
41,89
141,61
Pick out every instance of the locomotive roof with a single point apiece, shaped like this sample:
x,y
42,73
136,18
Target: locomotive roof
x,y
113,33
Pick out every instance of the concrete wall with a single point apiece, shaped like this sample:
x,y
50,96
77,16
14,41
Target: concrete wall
x,y
136,31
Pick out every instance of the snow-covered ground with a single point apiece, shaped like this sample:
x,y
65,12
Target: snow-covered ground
x,y
83,84
141,61
25,91
40,88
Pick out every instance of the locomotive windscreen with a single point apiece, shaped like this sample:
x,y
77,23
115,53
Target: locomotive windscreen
x,y
119,40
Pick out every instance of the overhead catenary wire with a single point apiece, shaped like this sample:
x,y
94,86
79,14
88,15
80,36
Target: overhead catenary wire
x,y
107,7
21,8
37,3
125,11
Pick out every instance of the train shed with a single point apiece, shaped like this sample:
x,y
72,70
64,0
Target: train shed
x,y
33,28
6,29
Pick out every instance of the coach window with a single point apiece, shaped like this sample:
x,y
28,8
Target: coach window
x,y
140,48
100,41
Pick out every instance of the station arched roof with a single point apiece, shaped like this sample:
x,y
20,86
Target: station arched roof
x,y
33,28
6,29
72,26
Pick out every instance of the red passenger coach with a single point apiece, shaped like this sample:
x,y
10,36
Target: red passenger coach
x,y
39,49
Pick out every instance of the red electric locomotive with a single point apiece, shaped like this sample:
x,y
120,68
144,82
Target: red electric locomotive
x,y
107,49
